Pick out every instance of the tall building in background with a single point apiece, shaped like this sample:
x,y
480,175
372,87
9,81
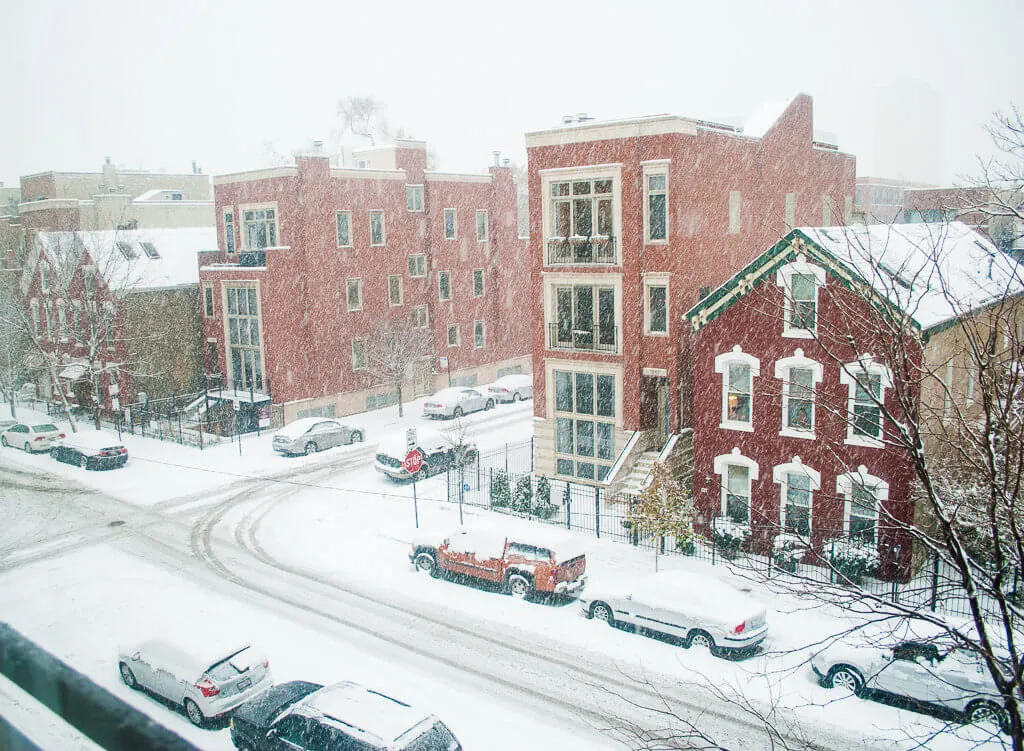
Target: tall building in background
x,y
910,134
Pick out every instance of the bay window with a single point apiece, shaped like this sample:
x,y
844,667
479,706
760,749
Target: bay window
x,y
585,407
582,224
245,355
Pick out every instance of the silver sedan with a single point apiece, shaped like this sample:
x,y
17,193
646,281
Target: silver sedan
x,y
511,388
312,434
455,402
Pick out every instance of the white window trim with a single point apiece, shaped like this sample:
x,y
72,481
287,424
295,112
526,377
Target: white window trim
x,y
721,465
611,172
424,257
844,488
242,243
784,278
487,226
649,169
658,279
225,213
483,332
780,476
782,367
337,215
483,283
458,335
348,299
848,378
401,291
422,193
383,228
455,224
426,316
722,362
439,297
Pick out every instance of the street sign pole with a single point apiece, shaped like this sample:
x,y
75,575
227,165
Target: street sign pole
x,y
415,504
412,464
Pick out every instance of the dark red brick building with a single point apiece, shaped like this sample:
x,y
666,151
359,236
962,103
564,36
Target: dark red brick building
x,y
313,258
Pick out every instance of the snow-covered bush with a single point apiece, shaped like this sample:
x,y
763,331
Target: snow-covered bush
x,y
728,536
501,490
523,497
851,559
788,551
544,508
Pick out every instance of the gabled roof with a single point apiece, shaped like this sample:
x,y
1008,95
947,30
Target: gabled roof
x,y
931,273
123,260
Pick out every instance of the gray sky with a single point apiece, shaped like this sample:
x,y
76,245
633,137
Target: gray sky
x,y
906,86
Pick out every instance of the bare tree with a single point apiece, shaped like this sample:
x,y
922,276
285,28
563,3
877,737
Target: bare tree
x,y
365,116
398,352
15,345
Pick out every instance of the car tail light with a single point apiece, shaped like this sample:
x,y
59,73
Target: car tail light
x,y
61,435
740,628
40,437
207,688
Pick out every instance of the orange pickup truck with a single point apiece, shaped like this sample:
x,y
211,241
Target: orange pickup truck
x,y
537,562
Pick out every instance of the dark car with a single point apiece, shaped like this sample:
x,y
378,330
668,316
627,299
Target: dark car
x,y
346,715
91,449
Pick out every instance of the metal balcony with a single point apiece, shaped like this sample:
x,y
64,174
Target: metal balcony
x,y
598,339
581,251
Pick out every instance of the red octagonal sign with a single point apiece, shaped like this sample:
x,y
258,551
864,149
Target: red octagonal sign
x,y
413,461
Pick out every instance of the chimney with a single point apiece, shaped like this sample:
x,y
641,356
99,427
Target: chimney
x,y
318,147
195,169
497,158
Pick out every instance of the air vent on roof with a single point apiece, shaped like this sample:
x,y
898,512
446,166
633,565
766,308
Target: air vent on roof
x,y
127,250
149,249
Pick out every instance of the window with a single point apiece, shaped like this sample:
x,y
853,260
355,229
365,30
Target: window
x,y
343,225
947,391
791,210
656,309
76,320
245,355
736,474
354,293
395,290
581,208
229,231
866,381
478,282
414,198
738,371
453,335
863,495
826,211
585,409
34,305
584,319
48,312
799,376
481,226
450,226
800,282
376,228
109,313
126,250
89,279
260,228
420,317
735,206
656,218
44,277
149,249
207,300
478,334
797,485
358,354
444,285
970,386
417,265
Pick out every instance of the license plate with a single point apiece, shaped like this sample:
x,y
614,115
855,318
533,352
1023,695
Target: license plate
x,y
244,684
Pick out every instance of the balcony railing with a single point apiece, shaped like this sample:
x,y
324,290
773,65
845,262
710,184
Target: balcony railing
x,y
252,258
578,250
597,339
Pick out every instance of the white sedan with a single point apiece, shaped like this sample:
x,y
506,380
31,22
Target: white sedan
x,y
32,437
701,610
455,402
511,388
206,681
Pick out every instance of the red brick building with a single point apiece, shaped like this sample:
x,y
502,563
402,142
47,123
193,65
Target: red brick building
x,y
789,435
312,259
629,221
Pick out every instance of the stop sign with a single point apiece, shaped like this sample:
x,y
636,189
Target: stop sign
x,y
413,461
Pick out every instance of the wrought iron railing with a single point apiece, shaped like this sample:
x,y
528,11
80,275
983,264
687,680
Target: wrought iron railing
x,y
595,339
577,250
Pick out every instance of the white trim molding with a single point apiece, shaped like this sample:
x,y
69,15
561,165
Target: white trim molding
x,y
784,278
848,377
722,363
780,476
844,487
782,368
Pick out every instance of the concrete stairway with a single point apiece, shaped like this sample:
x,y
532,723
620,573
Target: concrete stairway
x,y
640,476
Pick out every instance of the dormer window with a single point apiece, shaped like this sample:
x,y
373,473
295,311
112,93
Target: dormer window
x,y
800,282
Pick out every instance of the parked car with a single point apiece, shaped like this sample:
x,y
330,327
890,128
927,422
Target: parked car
x,y
32,437
917,671
346,715
91,449
511,388
532,562
455,402
311,434
205,681
5,424
438,454
701,610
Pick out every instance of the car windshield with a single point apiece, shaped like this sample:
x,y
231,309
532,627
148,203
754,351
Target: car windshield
x,y
45,428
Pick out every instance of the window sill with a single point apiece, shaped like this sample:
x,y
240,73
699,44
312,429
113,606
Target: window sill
x,y
378,245
355,310
864,442
659,334
798,334
656,242
741,426
344,247
807,435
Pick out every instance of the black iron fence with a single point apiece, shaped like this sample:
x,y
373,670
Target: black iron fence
x,y
503,480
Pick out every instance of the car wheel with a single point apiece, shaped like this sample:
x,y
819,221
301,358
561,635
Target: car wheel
x,y
426,563
701,640
519,586
457,412
3,441
987,713
489,405
357,437
846,678
601,611
310,448
128,676
83,461
515,396
195,714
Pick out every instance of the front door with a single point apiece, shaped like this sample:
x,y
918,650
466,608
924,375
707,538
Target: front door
x,y
664,410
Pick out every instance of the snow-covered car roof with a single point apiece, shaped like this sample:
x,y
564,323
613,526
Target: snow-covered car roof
x,y
692,592
454,393
371,711
92,440
396,445
300,426
516,380
189,661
